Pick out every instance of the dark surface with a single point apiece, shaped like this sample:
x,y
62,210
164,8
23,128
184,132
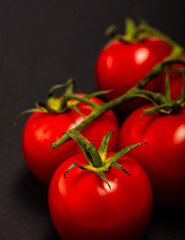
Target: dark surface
x,y
43,43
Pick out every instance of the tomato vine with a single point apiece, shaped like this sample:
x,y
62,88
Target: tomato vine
x,y
98,110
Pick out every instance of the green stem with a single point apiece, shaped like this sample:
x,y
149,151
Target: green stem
x,y
130,28
98,163
154,32
94,114
69,90
96,159
82,99
87,147
99,109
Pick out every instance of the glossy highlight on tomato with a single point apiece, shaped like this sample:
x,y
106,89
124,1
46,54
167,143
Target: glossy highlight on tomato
x,y
163,160
42,129
82,206
120,66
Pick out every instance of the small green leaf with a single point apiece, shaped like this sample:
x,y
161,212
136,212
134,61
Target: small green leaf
x,y
45,107
73,107
99,93
71,167
130,28
54,103
117,165
148,111
146,97
87,147
102,176
51,90
74,165
119,154
104,146
165,108
32,110
111,31
59,106
81,142
149,95
70,84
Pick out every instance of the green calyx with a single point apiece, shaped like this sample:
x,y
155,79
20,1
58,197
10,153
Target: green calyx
x,y
163,103
97,159
58,105
137,33
132,34
54,104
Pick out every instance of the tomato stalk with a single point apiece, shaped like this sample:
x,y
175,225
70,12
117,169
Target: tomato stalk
x,y
133,34
157,99
163,104
138,33
62,104
98,163
53,105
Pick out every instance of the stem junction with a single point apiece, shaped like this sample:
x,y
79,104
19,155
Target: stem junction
x,y
98,163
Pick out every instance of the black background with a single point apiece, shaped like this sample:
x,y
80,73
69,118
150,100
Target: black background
x,y
43,43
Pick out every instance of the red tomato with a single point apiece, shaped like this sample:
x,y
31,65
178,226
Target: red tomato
x,y
176,80
42,129
120,66
163,159
82,206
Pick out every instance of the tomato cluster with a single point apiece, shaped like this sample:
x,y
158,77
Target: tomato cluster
x,y
99,200
42,129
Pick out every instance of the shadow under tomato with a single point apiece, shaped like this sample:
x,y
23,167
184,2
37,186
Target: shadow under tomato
x,y
121,115
33,197
166,224
171,218
51,234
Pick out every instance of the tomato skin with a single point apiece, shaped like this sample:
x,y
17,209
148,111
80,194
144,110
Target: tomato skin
x,y
120,66
163,159
83,207
42,129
